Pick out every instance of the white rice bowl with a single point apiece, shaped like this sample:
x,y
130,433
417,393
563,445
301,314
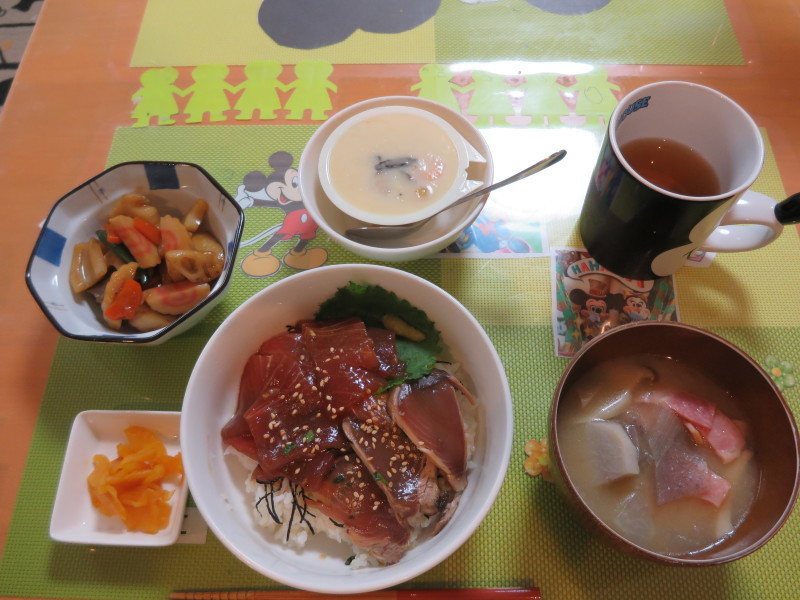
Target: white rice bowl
x,y
218,477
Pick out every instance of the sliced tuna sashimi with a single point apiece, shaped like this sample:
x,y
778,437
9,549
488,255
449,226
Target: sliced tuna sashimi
x,y
349,496
390,366
287,343
254,376
344,360
236,431
428,411
404,473
288,421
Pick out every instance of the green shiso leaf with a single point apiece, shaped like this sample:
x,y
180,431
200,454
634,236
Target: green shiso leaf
x,y
371,303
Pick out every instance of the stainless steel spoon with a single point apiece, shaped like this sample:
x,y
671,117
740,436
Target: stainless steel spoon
x,y
377,232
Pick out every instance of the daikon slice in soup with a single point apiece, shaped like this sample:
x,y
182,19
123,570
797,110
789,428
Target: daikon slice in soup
x,y
393,163
659,452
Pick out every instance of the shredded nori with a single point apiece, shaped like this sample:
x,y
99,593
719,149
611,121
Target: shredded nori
x,y
300,507
270,487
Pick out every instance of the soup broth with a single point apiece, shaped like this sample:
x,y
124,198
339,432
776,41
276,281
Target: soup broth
x,y
393,164
659,453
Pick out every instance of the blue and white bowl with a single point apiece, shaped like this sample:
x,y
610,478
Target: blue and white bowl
x,y
77,215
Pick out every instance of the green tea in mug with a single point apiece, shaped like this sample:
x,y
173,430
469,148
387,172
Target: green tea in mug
x,y
672,166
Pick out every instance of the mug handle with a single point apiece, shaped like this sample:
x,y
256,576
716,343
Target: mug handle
x,y
752,222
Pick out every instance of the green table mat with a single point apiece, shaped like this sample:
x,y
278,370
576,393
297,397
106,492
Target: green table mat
x,y
678,32
529,537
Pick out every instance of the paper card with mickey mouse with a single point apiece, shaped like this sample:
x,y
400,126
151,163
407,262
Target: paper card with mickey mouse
x,y
589,300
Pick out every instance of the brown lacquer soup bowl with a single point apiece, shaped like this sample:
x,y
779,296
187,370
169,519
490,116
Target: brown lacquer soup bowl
x,y
674,445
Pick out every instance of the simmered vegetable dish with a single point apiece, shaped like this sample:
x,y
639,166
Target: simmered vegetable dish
x,y
145,268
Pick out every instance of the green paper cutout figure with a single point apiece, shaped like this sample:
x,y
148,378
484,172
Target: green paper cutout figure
x,y
434,84
542,99
596,100
156,97
208,93
260,91
310,90
489,102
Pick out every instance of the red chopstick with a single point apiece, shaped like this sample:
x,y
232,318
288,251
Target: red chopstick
x,y
444,594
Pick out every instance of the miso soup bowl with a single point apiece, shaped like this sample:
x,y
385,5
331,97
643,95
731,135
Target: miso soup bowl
x,y
772,429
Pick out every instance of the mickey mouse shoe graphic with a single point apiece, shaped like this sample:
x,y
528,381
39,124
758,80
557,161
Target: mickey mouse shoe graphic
x,y
279,190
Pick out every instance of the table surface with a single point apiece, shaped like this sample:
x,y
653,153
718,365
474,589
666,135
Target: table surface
x,y
69,112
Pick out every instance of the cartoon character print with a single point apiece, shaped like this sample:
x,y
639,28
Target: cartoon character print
x,y
636,308
597,310
279,190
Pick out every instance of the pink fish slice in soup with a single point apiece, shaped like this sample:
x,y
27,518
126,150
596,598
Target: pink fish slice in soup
x,y
428,410
680,469
402,471
725,438
681,473
691,408
712,426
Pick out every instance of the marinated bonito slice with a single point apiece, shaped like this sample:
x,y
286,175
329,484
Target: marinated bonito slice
x,y
399,468
351,498
429,412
